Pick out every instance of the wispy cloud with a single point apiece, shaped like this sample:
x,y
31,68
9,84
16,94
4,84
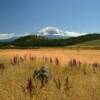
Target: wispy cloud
x,y
11,35
6,35
74,34
25,34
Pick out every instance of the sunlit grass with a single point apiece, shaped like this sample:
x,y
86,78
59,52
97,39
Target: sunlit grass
x,y
66,83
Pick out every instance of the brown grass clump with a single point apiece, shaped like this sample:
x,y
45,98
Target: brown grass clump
x,y
2,66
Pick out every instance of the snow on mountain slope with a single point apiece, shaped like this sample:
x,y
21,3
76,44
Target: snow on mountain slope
x,y
53,32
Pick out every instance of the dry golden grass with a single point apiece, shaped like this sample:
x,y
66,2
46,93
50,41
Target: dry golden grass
x,y
86,56
83,82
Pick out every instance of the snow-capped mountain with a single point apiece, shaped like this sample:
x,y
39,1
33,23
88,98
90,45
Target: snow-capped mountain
x,y
49,32
53,32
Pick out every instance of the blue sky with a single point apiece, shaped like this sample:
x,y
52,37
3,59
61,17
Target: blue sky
x,y
22,16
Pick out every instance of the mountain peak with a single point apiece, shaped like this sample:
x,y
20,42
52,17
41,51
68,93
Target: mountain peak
x,y
51,30
58,33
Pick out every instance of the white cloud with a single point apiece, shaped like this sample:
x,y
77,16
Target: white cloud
x,y
25,34
74,34
6,35
11,35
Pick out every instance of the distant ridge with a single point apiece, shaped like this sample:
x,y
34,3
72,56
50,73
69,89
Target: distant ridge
x,y
32,41
49,32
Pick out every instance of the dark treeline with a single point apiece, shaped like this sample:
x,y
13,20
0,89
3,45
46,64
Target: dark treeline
x,y
38,41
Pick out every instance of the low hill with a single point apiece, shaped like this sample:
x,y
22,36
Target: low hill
x,y
90,43
94,44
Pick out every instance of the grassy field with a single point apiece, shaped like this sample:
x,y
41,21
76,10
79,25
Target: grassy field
x,y
74,74
90,43
94,44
